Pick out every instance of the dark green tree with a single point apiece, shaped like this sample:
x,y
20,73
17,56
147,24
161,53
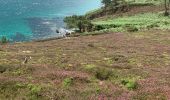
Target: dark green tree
x,y
80,22
4,40
166,5
106,3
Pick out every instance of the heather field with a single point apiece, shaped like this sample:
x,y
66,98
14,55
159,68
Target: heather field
x,y
120,51
115,66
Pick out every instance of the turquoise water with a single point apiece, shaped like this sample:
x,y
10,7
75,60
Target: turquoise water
x,y
22,20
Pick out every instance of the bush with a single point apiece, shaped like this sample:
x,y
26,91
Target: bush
x,y
103,73
2,69
34,91
4,40
90,68
67,82
98,27
79,22
120,58
130,28
9,90
152,25
130,84
100,73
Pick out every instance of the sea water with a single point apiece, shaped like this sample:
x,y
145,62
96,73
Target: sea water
x,y
25,20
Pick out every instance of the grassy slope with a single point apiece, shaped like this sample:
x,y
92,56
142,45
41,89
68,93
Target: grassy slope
x,y
140,21
88,67
144,17
119,66
136,3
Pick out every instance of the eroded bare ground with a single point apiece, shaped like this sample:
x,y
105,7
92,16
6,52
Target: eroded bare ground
x,y
88,67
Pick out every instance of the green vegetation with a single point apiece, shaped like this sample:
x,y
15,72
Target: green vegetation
x,y
80,22
87,67
103,73
67,82
118,6
34,91
145,2
100,73
91,23
130,84
115,5
150,96
17,90
132,63
136,22
4,40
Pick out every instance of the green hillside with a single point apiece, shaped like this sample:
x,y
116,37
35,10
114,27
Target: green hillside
x,y
139,21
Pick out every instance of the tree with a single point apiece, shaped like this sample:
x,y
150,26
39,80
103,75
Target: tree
x,y
80,22
71,21
166,7
106,2
169,5
4,40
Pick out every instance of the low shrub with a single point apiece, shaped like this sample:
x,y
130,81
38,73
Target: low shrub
x,y
90,68
34,92
119,58
130,28
152,25
9,90
103,73
34,89
67,82
130,84
100,73
2,69
98,27
5,68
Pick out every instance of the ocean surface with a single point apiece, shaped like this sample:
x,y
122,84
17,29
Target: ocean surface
x,y
25,20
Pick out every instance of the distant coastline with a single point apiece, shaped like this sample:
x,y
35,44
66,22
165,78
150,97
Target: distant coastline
x,y
41,19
